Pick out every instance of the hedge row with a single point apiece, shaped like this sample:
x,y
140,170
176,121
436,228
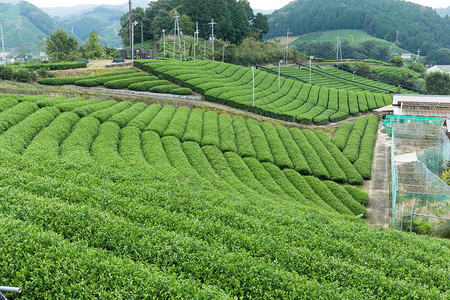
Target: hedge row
x,y
341,135
124,117
56,66
364,162
232,85
359,196
353,176
17,138
346,199
351,150
336,173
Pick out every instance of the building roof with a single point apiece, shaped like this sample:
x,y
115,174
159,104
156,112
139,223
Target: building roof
x,y
398,98
442,68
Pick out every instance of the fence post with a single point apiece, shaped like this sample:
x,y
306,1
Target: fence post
x,y
412,219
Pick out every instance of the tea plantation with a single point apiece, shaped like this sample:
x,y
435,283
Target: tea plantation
x,y
335,78
293,101
111,200
130,79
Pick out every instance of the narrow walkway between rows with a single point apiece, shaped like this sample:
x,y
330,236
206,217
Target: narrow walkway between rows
x,y
379,205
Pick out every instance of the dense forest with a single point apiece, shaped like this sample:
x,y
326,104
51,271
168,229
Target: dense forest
x,y
409,25
235,19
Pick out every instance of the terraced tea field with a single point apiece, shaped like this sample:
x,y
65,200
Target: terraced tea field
x,y
323,76
294,101
119,200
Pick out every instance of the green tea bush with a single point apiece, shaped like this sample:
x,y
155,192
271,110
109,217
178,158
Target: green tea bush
x,y
181,91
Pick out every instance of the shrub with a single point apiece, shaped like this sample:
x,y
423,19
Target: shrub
x,y
147,85
358,195
181,91
346,199
25,75
163,88
58,80
341,135
124,83
6,72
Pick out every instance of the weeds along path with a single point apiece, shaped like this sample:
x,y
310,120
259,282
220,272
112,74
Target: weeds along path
x,y
379,205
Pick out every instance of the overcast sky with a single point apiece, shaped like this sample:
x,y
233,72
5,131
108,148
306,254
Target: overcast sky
x,y
256,4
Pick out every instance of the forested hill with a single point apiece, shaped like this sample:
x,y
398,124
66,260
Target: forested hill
x,y
24,25
418,26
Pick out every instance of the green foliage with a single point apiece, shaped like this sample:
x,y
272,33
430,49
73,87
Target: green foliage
x,y
60,46
445,176
260,26
384,19
126,82
232,85
397,61
6,72
163,88
364,162
58,80
341,135
417,67
438,83
359,196
159,15
56,66
92,47
347,199
181,91
24,75
92,199
351,150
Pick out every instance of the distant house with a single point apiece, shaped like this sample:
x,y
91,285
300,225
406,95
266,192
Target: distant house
x,y
439,68
406,56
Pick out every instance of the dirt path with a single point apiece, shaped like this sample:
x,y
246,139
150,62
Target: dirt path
x,y
378,209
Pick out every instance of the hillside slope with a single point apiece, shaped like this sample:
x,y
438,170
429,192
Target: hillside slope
x,y
417,25
93,209
105,21
24,25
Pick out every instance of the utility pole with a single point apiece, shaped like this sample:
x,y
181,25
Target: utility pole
x,y
179,41
142,37
132,41
3,43
130,26
175,34
418,55
253,76
279,74
288,32
195,42
184,45
337,49
204,51
310,59
223,52
212,36
196,31
164,39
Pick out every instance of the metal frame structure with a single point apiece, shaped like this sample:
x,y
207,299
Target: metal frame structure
x,y
420,150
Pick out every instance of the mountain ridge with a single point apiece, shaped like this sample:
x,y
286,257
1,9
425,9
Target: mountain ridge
x,y
410,25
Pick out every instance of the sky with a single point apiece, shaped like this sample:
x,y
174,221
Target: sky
x,y
255,4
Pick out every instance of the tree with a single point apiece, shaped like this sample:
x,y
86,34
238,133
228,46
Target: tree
x,y
92,47
438,83
60,46
417,67
397,61
260,26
